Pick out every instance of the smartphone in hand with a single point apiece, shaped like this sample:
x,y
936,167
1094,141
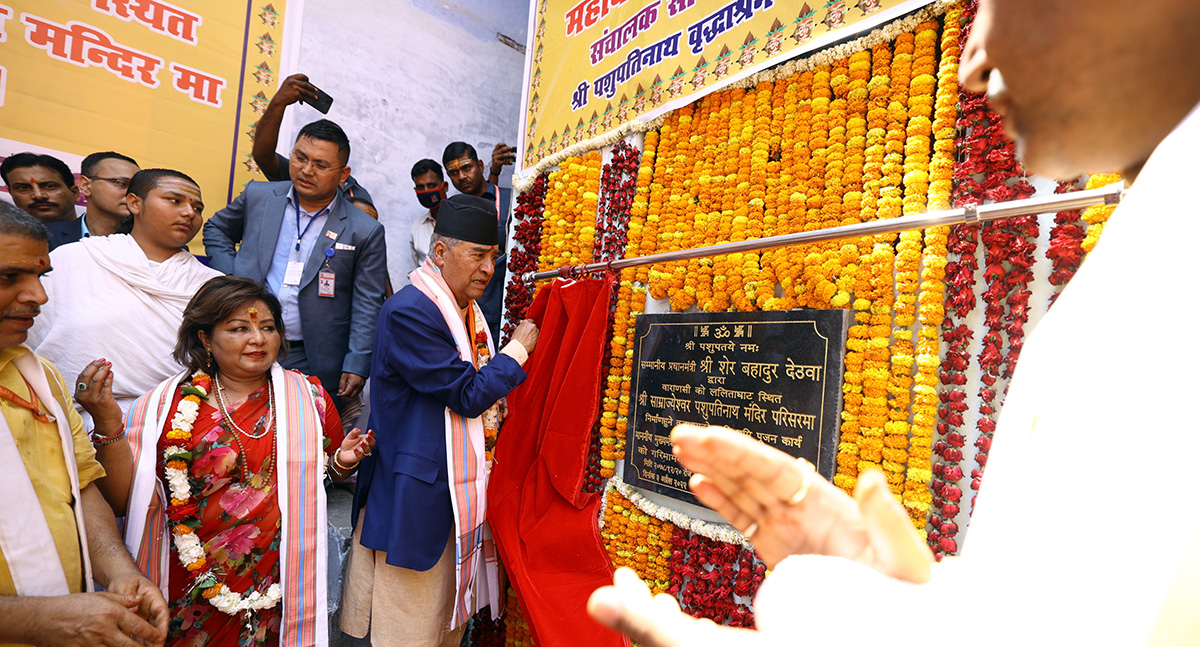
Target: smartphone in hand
x,y
321,102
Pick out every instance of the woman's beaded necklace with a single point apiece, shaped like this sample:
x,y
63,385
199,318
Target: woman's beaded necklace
x,y
264,426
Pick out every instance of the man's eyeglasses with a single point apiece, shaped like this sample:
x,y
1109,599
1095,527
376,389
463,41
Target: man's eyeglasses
x,y
119,182
299,161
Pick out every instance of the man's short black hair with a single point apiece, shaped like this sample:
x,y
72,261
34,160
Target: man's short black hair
x,y
456,150
25,160
88,166
144,181
425,166
15,222
327,131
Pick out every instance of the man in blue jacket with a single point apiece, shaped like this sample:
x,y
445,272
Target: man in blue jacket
x,y
422,559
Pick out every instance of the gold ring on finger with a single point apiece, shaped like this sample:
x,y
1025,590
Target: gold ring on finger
x,y
810,473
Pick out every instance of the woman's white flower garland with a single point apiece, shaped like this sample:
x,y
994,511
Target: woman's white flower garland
x,y
177,460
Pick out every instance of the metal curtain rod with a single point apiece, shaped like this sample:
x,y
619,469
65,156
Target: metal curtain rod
x,y
1110,194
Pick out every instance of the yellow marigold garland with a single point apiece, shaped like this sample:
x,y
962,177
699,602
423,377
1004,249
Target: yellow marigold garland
x,y
668,175
774,221
917,496
809,256
516,629
1096,216
569,225
794,169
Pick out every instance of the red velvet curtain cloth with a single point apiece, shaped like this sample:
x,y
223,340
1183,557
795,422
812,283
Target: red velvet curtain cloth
x,y
545,527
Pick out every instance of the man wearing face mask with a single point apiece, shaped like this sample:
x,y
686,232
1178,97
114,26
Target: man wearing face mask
x,y
430,186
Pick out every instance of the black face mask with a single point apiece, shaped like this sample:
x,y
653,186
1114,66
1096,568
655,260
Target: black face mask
x,y
431,198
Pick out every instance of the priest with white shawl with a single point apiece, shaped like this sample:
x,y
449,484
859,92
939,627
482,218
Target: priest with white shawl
x,y
120,299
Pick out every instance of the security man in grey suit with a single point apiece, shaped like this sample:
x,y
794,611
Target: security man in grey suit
x,y
324,258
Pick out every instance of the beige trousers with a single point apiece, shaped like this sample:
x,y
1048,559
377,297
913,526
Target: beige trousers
x,y
400,607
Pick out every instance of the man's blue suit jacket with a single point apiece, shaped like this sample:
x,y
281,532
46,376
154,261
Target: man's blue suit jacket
x,y
337,330
64,232
415,374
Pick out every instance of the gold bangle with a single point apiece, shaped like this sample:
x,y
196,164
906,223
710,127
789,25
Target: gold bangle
x,y
344,469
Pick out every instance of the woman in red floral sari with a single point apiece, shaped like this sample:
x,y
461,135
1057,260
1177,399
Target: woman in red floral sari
x,y
236,520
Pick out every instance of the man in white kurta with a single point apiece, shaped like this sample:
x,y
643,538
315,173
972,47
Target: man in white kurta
x,y
121,298
1087,528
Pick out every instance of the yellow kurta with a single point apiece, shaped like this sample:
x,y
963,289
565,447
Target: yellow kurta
x,y
41,449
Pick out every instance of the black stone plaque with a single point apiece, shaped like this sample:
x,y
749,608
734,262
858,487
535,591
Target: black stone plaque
x,y
774,376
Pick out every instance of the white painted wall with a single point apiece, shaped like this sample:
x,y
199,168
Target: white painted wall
x,y
408,77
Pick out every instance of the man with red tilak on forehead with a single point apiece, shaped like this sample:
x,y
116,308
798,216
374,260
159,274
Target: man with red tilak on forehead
x,y
57,533
1071,542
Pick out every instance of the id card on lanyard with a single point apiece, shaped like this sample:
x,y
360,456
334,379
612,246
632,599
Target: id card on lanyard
x,y
295,266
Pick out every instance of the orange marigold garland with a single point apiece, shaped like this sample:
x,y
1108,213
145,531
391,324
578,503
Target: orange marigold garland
x,y
677,204
808,257
794,169
774,221
568,229
516,629
638,541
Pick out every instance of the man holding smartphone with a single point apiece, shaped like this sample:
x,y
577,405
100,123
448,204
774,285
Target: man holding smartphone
x,y
294,88
323,257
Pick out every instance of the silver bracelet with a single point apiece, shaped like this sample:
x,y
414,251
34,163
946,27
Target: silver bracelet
x,y
108,440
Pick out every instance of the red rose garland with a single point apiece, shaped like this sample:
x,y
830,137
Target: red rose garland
x,y
617,186
987,170
947,472
975,128
707,574
1012,241
523,257
1024,233
1065,250
618,183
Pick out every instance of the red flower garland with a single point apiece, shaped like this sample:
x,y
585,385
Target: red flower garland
x,y
523,257
974,125
947,473
707,574
1065,250
618,183
1012,241
1024,235
617,186
987,170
